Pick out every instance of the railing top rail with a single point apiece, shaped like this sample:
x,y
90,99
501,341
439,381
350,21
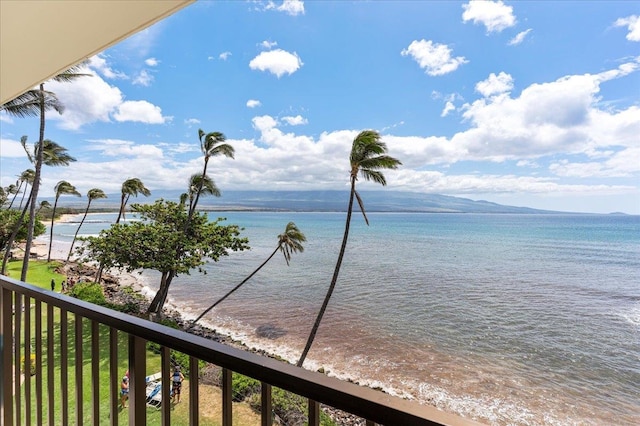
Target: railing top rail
x,y
361,401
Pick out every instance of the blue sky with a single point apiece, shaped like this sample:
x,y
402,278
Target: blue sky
x,y
523,103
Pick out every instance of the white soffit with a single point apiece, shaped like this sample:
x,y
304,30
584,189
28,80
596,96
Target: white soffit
x,y
41,38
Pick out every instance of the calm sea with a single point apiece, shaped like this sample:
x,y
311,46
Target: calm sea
x,y
508,319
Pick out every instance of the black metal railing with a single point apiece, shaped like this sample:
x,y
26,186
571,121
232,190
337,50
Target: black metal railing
x,y
94,339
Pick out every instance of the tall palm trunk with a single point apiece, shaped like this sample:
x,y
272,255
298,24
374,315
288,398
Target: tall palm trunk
x,y
23,194
121,213
34,189
161,295
233,289
15,195
14,233
53,218
192,209
336,271
75,236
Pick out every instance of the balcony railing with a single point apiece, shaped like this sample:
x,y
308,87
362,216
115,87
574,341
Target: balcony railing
x,y
25,335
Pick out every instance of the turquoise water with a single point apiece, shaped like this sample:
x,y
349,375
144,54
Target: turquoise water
x,y
509,319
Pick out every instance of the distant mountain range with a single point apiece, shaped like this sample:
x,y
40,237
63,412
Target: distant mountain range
x,y
374,201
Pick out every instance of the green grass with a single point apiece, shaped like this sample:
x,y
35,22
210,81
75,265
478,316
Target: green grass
x,y
40,273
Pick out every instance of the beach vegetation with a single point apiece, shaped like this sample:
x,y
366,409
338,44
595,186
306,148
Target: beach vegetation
x,y
368,157
290,241
158,241
92,194
9,219
52,155
89,292
35,103
132,186
62,188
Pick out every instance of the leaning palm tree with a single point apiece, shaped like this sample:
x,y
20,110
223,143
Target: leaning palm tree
x,y
53,154
13,189
92,194
62,188
133,186
35,103
44,204
26,179
368,157
201,185
289,242
211,144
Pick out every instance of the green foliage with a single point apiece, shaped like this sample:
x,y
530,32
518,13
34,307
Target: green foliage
x,y
159,240
89,292
9,219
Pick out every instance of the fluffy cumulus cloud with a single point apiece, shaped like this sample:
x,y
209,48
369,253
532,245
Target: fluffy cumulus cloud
x,y
495,84
224,55
295,121
143,79
266,44
633,25
448,107
100,65
290,7
11,149
277,62
434,58
519,38
140,111
253,103
494,15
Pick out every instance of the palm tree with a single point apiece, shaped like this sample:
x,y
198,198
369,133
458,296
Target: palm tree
x,y
368,157
53,155
44,204
12,189
62,188
199,185
289,242
211,144
25,178
92,194
133,186
34,103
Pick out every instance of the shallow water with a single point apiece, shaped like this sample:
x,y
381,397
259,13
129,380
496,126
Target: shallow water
x,y
508,319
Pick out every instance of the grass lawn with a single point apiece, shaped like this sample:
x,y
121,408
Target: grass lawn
x,y
40,274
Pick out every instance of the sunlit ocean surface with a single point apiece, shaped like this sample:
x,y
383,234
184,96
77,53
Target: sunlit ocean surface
x,y
507,319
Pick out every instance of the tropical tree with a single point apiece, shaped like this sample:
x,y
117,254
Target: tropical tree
x,y
35,103
62,188
6,192
199,185
92,194
44,204
133,186
211,144
26,179
158,242
9,221
53,155
289,242
368,156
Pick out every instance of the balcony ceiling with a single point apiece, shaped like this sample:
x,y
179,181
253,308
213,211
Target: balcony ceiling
x,y
41,38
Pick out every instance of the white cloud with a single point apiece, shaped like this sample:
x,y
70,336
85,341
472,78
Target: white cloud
x,y
10,148
152,62
621,164
268,44
253,103
448,107
290,7
99,64
224,55
143,79
633,25
124,148
295,121
191,122
495,84
434,58
140,111
519,38
277,62
494,15
4,118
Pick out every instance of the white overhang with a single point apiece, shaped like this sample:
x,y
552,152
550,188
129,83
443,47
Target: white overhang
x,y
41,38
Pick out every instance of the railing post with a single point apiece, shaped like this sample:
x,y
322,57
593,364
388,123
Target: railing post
x,y
314,413
50,365
137,382
27,360
114,389
38,337
6,344
95,373
165,388
79,361
17,327
194,400
227,396
265,405
64,367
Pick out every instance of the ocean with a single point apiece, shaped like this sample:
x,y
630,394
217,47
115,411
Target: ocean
x,y
507,319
